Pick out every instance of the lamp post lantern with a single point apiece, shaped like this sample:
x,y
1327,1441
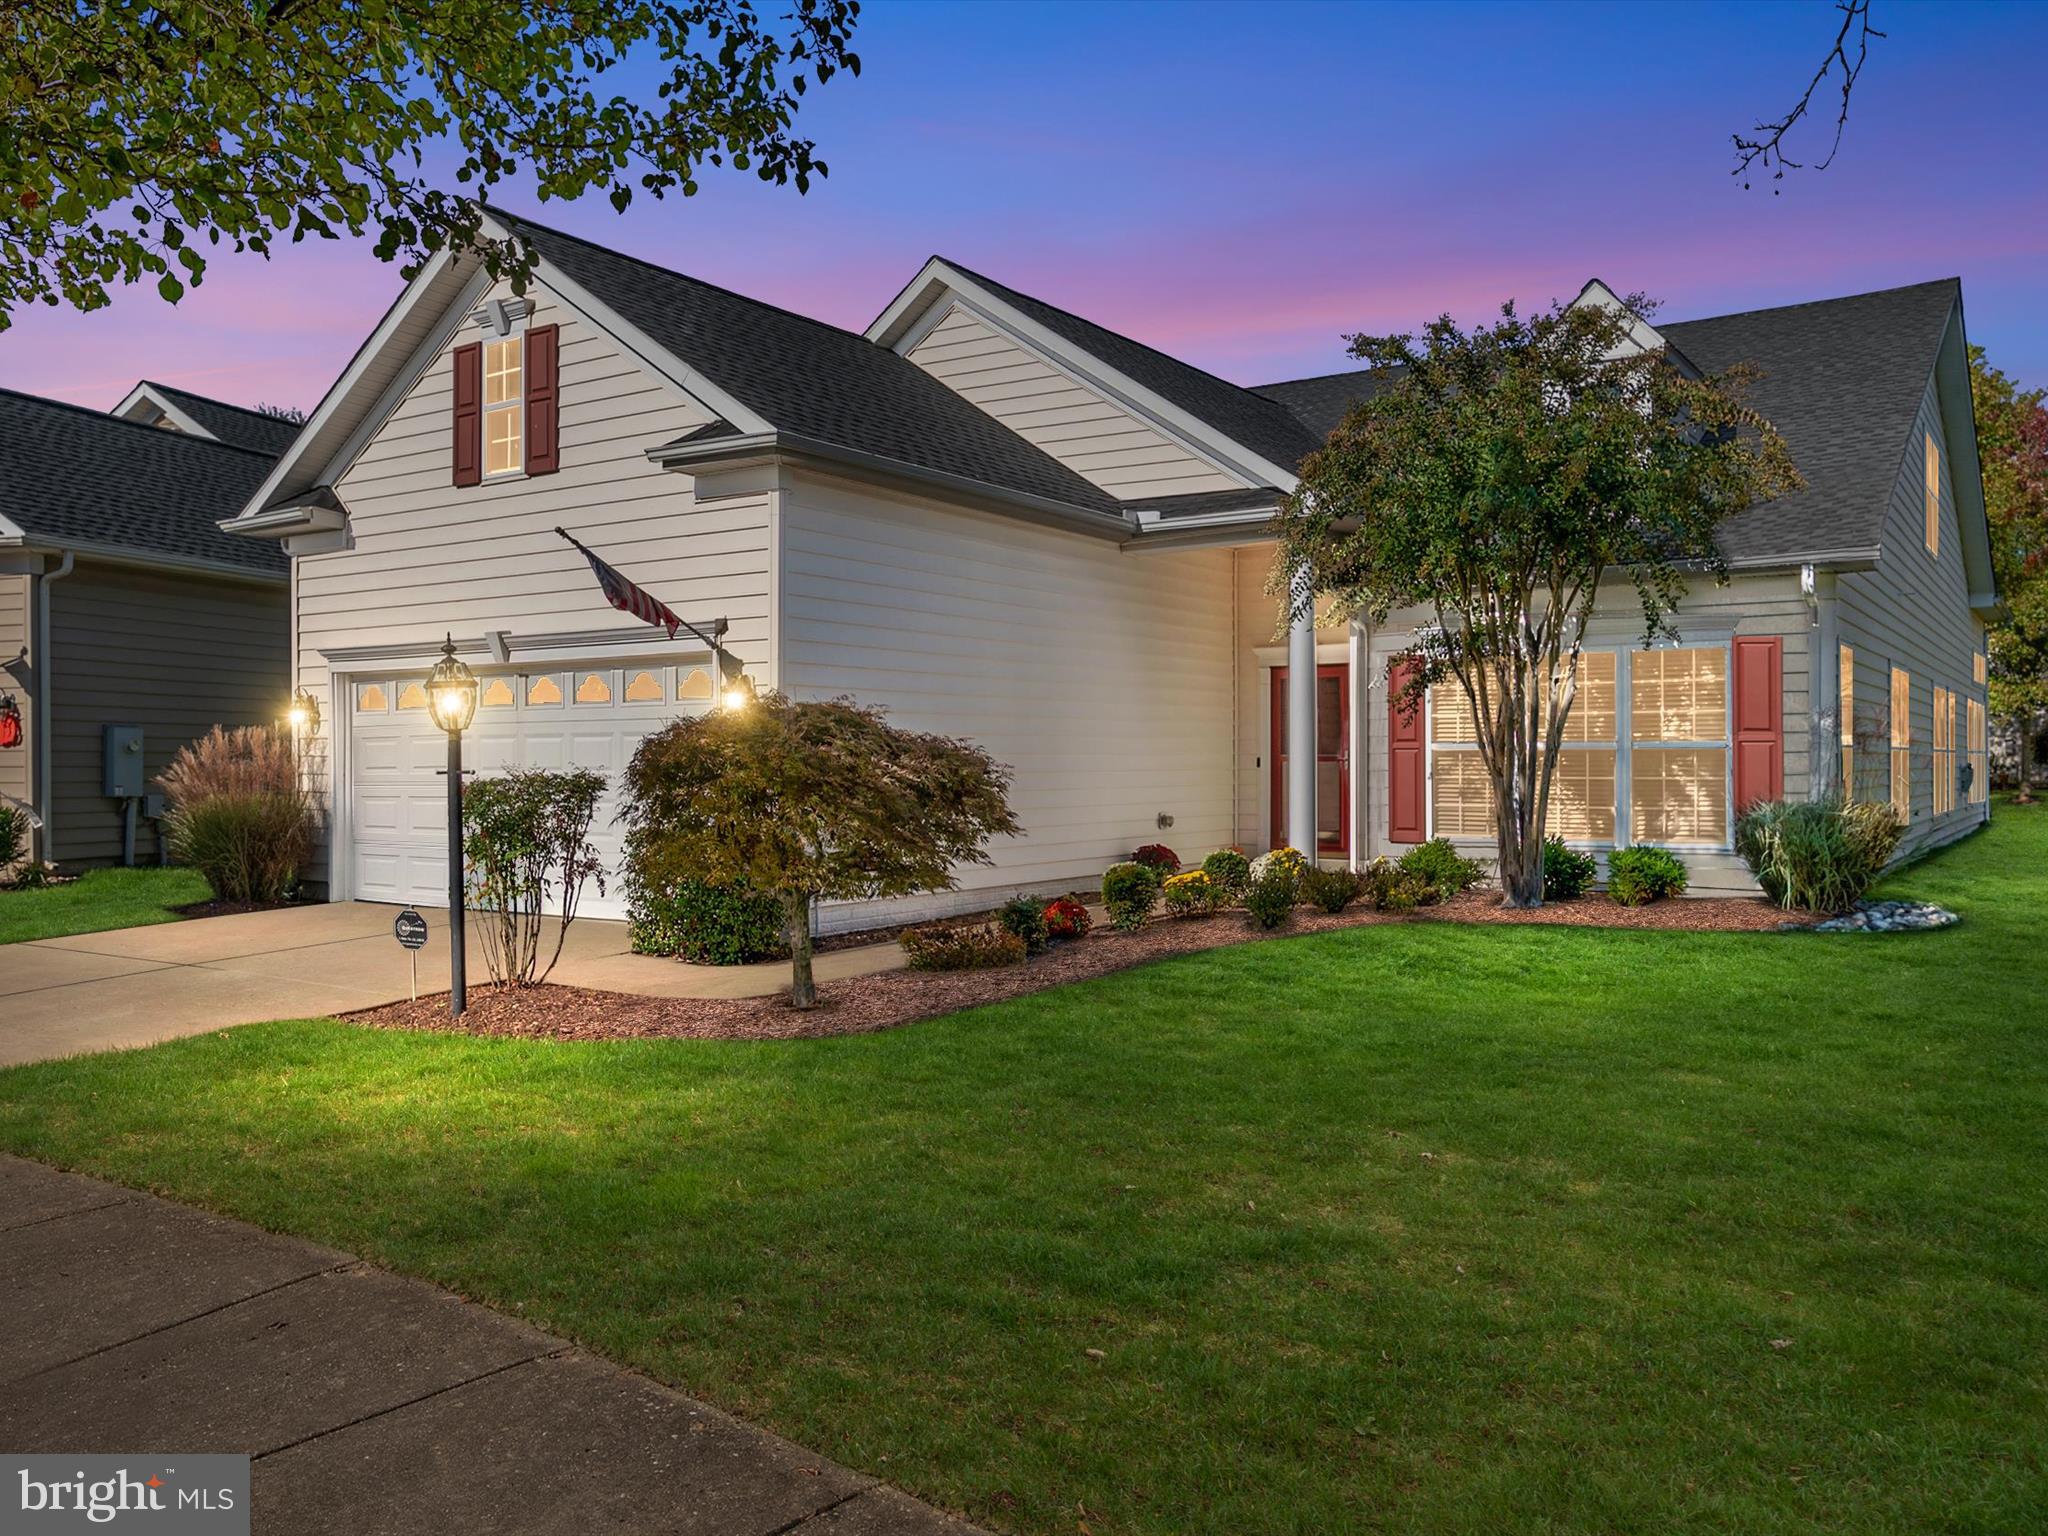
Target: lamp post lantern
x,y
451,700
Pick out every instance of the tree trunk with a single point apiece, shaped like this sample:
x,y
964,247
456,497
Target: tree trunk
x,y
1521,871
796,907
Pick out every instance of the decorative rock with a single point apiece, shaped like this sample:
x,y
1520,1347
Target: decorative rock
x,y
1888,917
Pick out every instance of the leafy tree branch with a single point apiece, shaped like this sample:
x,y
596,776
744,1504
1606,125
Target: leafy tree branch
x,y
136,134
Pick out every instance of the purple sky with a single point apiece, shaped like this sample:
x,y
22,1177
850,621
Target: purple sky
x,y
1240,186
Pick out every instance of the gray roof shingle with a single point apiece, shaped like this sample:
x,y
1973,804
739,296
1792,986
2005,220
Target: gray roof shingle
x,y
810,378
1267,427
1320,403
69,475
1842,381
236,424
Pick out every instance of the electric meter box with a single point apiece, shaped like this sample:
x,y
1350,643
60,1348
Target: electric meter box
x,y
123,762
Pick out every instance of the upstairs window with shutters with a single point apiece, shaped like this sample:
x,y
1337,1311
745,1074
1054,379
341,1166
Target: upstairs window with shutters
x,y
504,407
1933,497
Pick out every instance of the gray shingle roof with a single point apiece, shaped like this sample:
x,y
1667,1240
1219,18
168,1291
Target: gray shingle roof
x,y
235,424
1320,403
1842,380
1265,426
74,476
810,378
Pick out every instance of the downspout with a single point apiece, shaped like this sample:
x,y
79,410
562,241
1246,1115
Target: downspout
x,y
46,801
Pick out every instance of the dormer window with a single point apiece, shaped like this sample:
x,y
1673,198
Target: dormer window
x,y
504,407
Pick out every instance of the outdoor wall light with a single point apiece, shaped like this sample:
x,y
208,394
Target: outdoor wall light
x,y
451,700
739,692
303,713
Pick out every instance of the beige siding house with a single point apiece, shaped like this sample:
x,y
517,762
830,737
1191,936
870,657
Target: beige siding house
x,y
123,605
1004,522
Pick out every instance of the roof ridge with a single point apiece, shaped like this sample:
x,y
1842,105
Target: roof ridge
x,y
226,405
1840,298
655,266
1243,389
139,426
1314,378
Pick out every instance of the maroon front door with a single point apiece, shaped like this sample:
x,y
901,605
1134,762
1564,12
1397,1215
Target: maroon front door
x,y
1333,758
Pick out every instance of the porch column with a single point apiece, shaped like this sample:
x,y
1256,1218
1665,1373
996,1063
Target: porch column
x,y
1301,716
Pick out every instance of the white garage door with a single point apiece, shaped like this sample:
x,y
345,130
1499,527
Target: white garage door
x,y
577,717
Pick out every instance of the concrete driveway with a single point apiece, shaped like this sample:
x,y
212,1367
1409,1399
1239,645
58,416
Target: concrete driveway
x,y
137,986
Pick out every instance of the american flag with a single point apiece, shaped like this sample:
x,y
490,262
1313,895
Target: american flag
x,y
626,597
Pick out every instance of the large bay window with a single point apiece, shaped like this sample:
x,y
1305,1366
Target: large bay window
x,y
1669,706
1678,746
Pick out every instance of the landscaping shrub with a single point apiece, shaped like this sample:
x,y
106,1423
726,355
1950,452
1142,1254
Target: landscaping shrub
x,y
1157,856
810,801
1819,855
961,947
526,841
1442,868
1638,876
1331,889
250,847
704,924
1229,869
1390,888
1066,918
1025,917
1566,871
1269,899
1130,891
240,814
13,837
1289,860
1193,894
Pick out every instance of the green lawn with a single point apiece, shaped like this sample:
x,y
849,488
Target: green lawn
x,y
98,900
1420,1228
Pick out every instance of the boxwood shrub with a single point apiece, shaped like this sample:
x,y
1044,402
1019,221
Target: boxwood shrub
x,y
704,924
1566,871
1638,876
1442,868
1130,891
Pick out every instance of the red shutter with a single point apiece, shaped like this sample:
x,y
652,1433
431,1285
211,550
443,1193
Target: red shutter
x,y
469,414
1406,761
543,450
1759,720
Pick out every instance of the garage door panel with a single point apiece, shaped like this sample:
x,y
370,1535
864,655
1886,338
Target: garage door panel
x,y
397,801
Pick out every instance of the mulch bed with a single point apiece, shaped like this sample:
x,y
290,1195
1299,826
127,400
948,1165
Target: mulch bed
x,y
866,1004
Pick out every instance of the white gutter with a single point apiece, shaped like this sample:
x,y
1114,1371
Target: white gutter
x,y
46,801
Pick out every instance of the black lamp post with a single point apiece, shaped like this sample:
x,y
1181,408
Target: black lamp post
x,y
451,700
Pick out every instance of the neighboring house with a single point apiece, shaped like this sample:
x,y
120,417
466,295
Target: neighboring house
x,y
1003,522
123,604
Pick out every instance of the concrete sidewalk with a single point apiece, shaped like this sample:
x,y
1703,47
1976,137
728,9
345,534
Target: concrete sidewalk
x,y
136,986
371,1404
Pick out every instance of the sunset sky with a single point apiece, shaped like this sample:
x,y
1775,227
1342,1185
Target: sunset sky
x,y
1242,185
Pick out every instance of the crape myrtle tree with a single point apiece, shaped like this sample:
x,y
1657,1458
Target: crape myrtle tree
x,y
2012,447
810,802
1498,477
138,135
